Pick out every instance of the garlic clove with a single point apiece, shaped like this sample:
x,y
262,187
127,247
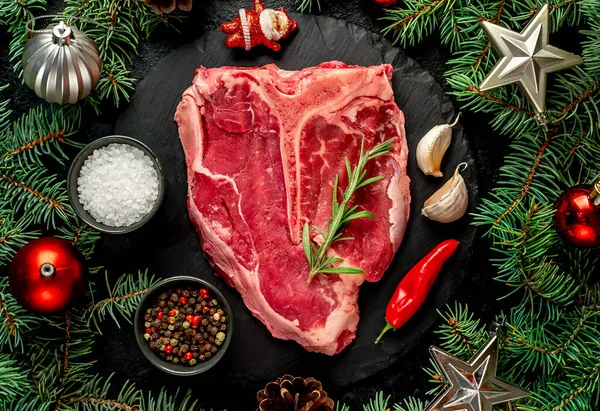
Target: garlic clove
x,y
433,146
451,201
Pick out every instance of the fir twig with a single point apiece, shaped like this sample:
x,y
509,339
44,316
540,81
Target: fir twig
x,y
32,191
14,234
124,297
15,321
40,132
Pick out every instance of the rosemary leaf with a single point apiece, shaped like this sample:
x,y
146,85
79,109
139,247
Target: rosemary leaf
x,y
342,213
360,214
306,243
342,270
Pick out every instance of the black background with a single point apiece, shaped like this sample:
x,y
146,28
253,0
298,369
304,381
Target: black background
x,y
478,290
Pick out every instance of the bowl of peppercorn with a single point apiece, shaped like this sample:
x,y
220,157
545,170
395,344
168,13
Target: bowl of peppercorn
x,y
183,325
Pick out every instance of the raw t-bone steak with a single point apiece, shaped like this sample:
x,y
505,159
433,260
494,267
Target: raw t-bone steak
x,y
262,147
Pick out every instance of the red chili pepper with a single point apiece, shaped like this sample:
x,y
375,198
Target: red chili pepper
x,y
204,293
196,320
188,355
182,300
159,316
148,330
168,349
414,287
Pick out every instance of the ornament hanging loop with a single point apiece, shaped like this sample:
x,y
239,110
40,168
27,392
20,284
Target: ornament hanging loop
x,y
498,327
61,34
594,194
47,270
541,119
31,24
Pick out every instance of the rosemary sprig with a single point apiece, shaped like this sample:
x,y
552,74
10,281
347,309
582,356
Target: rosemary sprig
x,y
341,214
306,5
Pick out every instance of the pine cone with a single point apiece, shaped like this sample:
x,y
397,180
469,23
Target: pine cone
x,y
167,6
294,394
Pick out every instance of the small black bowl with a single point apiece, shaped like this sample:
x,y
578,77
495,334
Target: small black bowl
x,y
75,169
180,369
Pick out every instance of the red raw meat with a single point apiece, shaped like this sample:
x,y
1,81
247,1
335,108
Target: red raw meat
x,y
262,147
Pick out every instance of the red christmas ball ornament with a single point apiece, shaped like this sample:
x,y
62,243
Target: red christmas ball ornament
x,y
385,3
47,275
577,217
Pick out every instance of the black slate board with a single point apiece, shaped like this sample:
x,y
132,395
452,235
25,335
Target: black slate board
x,y
169,245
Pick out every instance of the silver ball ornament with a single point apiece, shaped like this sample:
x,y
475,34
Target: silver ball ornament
x,y
61,64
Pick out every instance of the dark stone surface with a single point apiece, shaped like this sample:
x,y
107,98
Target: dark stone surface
x,y
255,356
116,350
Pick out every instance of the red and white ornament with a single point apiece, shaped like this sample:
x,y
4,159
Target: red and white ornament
x,y
259,26
577,216
47,275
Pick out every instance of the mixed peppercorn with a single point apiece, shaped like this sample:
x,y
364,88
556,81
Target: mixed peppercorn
x,y
185,326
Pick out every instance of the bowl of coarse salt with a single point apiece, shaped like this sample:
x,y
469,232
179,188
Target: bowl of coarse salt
x,y
116,184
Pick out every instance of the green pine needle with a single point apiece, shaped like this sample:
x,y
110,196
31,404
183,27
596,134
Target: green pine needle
x,y
123,299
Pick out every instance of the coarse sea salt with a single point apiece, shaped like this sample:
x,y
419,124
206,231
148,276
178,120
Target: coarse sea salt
x,y
118,185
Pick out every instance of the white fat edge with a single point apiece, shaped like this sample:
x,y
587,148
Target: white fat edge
x,y
251,293
397,212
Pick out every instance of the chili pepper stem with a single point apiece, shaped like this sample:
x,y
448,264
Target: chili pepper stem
x,y
387,327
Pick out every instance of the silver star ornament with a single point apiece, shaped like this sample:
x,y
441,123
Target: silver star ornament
x,y
473,385
526,59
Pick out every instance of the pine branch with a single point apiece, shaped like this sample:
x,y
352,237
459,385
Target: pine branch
x,y
15,321
378,403
80,235
14,12
410,404
5,112
591,46
461,334
94,396
410,24
28,402
14,234
39,133
117,36
436,377
115,82
562,12
32,191
14,15
124,298
13,379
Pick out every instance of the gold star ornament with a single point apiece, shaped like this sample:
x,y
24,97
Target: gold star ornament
x,y
473,385
526,59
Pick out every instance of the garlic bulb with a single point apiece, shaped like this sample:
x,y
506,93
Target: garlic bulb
x,y
433,146
450,202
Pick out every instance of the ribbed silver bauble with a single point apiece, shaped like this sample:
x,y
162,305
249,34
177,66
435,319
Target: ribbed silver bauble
x,y
61,64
